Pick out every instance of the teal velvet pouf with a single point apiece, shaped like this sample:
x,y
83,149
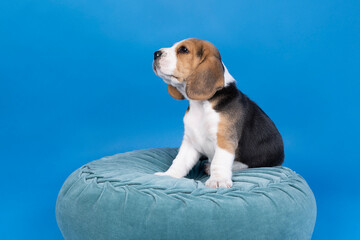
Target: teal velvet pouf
x,y
119,197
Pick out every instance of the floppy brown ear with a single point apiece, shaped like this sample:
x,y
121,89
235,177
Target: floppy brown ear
x,y
207,78
175,93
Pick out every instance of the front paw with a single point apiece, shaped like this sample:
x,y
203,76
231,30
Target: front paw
x,y
216,182
160,173
167,173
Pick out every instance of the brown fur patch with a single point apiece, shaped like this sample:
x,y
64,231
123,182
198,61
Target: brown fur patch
x,y
201,68
226,135
175,93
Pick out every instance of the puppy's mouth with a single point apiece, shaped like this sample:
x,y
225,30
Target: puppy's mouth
x,y
171,76
155,67
158,72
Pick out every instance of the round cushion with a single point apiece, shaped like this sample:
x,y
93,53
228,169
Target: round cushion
x,y
119,197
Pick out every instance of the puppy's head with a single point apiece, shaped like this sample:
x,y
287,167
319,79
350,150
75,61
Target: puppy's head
x,y
192,68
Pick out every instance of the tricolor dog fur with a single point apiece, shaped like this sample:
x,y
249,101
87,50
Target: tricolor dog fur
x,y
221,123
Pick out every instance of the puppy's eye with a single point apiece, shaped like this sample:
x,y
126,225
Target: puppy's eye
x,y
183,49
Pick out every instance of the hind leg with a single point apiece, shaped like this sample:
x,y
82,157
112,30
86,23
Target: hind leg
x,y
207,167
235,167
238,166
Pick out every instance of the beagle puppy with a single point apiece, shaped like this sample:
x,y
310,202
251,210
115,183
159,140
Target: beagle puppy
x,y
221,122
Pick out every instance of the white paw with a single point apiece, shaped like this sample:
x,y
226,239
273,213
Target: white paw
x,y
216,182
160,173
167,174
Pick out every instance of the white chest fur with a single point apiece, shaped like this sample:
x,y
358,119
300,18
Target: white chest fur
x,y
201,124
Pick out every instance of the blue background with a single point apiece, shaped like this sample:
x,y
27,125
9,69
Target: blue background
x,y
76,84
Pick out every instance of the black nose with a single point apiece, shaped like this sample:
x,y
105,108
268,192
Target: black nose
x,y
157,54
